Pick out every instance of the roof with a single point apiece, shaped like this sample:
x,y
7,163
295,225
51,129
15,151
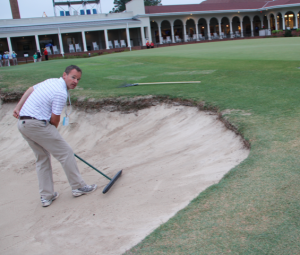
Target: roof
x,y
218,5
67,25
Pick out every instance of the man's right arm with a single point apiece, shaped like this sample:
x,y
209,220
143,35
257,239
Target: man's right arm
x,y
22,101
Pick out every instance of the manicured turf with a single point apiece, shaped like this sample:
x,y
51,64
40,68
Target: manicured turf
x,y
255,208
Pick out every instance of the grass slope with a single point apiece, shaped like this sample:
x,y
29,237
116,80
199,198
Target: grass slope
x,y
255,208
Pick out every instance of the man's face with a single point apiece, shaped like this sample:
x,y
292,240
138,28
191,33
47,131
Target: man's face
x,y
72,79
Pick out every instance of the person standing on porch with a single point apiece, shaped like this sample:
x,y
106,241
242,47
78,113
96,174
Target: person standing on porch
x,y
46,54
15,60
35,57
39,56
6,58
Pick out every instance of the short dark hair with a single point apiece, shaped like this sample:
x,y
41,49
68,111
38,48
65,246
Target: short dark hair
x,y
71,67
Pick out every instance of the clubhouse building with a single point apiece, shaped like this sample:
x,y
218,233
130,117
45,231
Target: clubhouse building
x,y
87,32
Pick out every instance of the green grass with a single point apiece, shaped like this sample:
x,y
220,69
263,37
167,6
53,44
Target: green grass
x,y
255,208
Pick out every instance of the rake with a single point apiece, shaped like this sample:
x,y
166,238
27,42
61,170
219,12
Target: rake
x,y
153,83
112,181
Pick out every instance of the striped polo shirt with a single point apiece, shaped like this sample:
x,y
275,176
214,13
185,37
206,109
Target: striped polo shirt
x,y
48,97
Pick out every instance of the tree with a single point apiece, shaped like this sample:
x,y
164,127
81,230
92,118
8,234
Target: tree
x,y
120,4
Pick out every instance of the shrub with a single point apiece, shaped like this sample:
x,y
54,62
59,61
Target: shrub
x,y
288,33
95,54
276,31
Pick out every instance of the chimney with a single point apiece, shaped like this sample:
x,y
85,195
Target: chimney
x,y
15,9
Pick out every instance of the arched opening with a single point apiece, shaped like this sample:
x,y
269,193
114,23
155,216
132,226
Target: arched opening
x,y
190,28
236,26
279,21
272,22
202,27
178,30
247,26
154,31
166,30
289,19
256,25
225,27
214,26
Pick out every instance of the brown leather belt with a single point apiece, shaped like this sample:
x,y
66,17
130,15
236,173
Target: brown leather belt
x,y
27,118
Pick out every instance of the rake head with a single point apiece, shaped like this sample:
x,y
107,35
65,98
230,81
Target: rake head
x,y
128,85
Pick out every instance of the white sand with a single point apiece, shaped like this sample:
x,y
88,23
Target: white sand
x,y
168,156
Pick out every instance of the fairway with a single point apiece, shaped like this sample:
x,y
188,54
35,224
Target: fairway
x,y
254,84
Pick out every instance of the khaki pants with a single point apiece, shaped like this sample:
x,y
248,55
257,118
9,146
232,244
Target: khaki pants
x,y
44,139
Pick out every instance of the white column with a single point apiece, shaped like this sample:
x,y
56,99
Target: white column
x,y
143,36
269,26
159,34
283,22
84,41
149,33
231,32
208,31
275,17
197,31
37,42
10,49
106,39
296,20
252,32
172,33
184,32
242,30
220,31
61,45
128,37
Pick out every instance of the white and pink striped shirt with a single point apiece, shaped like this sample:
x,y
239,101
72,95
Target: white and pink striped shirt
x,y
48,97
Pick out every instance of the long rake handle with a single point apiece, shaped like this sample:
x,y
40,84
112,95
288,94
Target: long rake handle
x,y
169,82
92,167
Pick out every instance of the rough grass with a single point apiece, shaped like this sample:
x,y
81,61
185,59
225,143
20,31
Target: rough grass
x,y
255,208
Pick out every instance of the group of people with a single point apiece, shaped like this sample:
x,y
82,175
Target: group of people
x,y
149,45
5,59
37,57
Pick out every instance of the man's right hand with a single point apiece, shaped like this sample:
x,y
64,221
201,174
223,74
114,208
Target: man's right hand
x,y
55,120
16,113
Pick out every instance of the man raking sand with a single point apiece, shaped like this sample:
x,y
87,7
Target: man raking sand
x,y
39,113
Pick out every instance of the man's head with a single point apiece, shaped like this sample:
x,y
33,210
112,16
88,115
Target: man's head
x,y
71,76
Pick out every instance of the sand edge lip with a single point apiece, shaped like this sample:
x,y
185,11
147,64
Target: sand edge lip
x,y
134,104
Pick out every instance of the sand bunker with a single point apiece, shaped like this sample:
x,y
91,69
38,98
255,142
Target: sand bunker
x,y
168,156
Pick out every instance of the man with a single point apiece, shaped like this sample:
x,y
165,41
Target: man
x,y
39,112
14,56
39,57
6,58
46,54
148,45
